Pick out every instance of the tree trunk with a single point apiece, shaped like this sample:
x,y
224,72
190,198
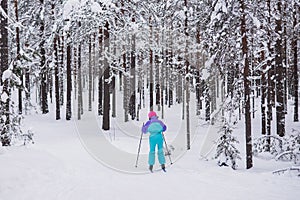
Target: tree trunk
x,y
132,106
79,78
19,71
100,79
69,83
247,91
151,69
44,70
90,74
263,97
157,78
4,66
62,70
207,102
126,85
295,64
280,115
187,83
56,76
106,103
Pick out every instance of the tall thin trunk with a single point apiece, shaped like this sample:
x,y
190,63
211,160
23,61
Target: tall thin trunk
x,y
270,87
44,70
132,106
207,102
90,74
198,90
295,64
284,56
125,85
263,97
19,71
187,83
100,79
157,81
5,139
69,83
113,86
62,69
247,91
106,103
56,75
171,85
280,115
151,67
79,78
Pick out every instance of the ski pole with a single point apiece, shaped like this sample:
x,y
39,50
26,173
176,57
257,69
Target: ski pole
x,y
137,158
167,148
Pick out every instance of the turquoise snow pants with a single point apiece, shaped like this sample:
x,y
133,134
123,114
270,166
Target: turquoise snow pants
x,y
156,140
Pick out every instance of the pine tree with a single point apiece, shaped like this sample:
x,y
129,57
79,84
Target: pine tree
x,y
226,150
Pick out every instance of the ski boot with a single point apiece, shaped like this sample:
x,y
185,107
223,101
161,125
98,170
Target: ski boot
x,y
163,167
151,168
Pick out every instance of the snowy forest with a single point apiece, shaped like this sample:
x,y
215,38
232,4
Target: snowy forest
x,y
232,59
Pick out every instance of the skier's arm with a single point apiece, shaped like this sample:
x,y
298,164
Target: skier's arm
x,y
164,127
145,127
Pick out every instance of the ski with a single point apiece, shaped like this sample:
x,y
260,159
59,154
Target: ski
x,y
157,170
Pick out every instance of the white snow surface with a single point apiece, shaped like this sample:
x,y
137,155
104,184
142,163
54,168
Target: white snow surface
x,y
57,166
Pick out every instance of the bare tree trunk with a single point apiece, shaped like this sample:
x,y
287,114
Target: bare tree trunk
x,y
207,102
106,103
198,89
113,87
56,76
132,108
280,115
263,97
44,70
69,82
125,100
247,91
100,79
270,88
157,82
151,67
187,83
284,56
170,80
79,78
5,140
90,73
19,72
62,69
295,64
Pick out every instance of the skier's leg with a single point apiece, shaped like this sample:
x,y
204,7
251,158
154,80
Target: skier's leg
x,y
152,144
160,153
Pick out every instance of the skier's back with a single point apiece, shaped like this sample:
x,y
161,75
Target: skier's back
x,y
155,127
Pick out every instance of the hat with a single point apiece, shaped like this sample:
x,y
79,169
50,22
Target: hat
x,y
151,114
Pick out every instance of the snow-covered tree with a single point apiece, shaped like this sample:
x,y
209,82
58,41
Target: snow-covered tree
x,y
226,150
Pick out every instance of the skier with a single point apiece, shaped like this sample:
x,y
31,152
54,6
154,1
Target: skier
x,y
155,127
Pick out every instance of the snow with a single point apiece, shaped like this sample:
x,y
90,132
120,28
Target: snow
x,y
60,166
4,97
96,7
69,6
6,75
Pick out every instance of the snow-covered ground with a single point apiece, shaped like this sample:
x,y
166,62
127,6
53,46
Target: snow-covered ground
x,y
58,166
